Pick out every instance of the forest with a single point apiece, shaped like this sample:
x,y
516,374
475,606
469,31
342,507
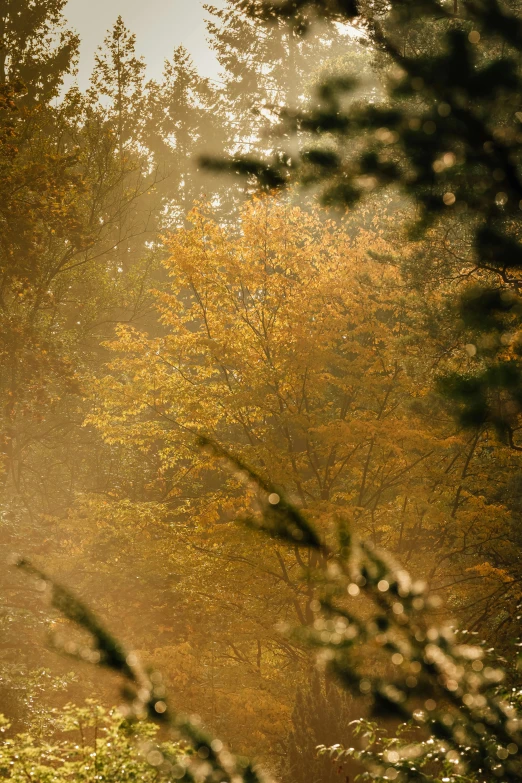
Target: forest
x,y
261,398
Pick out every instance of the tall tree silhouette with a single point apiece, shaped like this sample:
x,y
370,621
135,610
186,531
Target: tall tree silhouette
x,y
321,716
185,117
35,46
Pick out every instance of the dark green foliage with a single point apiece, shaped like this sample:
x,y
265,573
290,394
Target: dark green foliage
x,y
300,9
473,94
449,134
35,48
268,177
482,308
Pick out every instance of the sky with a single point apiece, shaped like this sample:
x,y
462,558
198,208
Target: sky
x,y
160,26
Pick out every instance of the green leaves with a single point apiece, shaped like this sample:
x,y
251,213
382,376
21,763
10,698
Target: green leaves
x,y
88,742
418,670
146,697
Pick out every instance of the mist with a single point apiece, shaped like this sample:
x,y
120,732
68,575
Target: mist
x,y
260,391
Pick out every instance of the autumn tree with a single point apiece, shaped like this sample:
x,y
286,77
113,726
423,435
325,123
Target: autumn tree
x,y
298,343
447,154
448,148
73,259
294,342
88,182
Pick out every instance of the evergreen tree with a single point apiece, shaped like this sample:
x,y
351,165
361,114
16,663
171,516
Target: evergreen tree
x,y
118,77
321,716
264,68
449,136
128,203
185,118
35,47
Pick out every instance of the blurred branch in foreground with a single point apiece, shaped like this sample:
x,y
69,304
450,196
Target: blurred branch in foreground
x,y
144,694
374,630
447,135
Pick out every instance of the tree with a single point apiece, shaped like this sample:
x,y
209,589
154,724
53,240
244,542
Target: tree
x,y
316,370
35,47
186,117
295,433
321,716
473,726
263,68
75,223
449,147
118,76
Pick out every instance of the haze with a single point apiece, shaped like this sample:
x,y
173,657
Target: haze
x,y
159,25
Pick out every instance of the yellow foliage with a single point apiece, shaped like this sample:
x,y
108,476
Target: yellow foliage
x,y
293,347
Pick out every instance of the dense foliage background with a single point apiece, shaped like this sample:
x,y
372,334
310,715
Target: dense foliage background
x,y
364,362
